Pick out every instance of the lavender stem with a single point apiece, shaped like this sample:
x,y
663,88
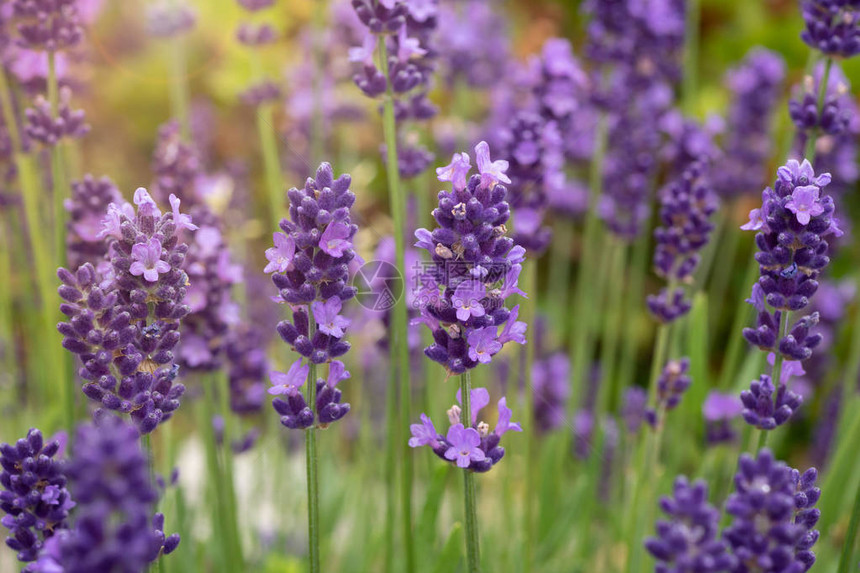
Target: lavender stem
x,y
400,347
473,555
313,469
809,151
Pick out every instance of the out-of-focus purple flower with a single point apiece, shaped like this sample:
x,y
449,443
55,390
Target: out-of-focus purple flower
x,y
114,527
688,540
470,262
176,166
260,93
550,378
48,25
719,409
634,408
769,492
42,126
756,85
473,447
256,35
87,208
168,19
255,5
686,208
34,497
478,60
837,107
832,27
671,385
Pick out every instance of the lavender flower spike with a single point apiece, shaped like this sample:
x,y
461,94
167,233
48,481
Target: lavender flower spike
x,y
793,224
124,319
473,447
475,265
688,541
114,526
34,497
769,492
309,265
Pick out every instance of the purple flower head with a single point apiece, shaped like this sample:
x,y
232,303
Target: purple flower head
x,y
290,382
463,446
837,113
550,378
773,510
762,409
147,261
166,19
280,257
792,252
47,25
688,540
33,494
492,172
471,447
182,221
804,203
114,523
514,330
475,268
336,239
423,434
456,172
483,344
327,315
720,406
311,268
671,386
49,129
832,27
87,208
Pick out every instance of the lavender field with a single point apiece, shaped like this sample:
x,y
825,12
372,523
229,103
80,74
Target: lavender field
x,y
429,286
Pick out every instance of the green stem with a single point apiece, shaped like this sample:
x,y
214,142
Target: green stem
x,y
846,561
531,437
399,346
635,284
473,555
581,318
559,274
227,456
659,358
643,486
271,161
809,151
179,97
219,509
737,343
313,470
150,460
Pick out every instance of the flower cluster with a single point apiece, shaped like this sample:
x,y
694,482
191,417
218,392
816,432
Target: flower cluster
x,y
114,529
168,19
550,378
124,324
478,60
718,410
686,208
309,265
253,36
408,29
476,267
532,147
474,447
688,540
764,411
48,130
792,226
34,496
49,25
832,27
87,207
671,385
756,86
774,514
245,348
837,112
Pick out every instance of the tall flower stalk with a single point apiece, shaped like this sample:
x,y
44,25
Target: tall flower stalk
x,y
309,264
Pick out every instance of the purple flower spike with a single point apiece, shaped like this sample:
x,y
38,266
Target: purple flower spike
x,y
471,447
764,411
688,541
124,316
34,497
832,27
475,269
463,446
769,492
310,269
796,220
